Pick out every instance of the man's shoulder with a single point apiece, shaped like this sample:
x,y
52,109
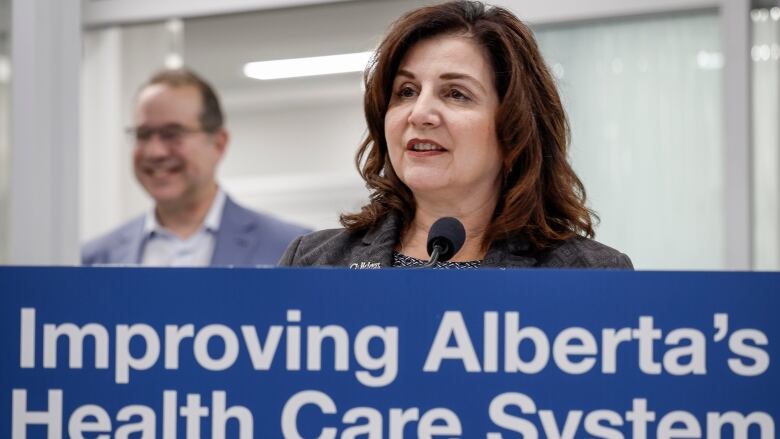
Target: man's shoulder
x,y
247,237
101,249
238,215
581,252
331,247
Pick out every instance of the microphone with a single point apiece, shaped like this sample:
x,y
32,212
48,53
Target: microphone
x,y
445,239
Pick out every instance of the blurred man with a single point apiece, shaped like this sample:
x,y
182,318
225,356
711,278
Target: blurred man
x,y
180,138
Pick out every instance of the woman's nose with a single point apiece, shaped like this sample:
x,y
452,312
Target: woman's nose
x,y
425,113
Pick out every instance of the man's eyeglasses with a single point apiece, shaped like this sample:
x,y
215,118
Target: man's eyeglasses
x,y
168,134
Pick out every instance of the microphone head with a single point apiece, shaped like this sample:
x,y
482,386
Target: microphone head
x,y
448,233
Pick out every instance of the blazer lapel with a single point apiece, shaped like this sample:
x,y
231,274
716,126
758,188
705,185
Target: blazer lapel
x,y
129,244
378,245
379,242
234,239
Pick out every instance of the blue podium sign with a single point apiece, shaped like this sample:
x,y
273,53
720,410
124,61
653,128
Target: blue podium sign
x,y
330,353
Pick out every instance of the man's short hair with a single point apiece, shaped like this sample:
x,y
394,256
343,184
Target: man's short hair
x,y
211,118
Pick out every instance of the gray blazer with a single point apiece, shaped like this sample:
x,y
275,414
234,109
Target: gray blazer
x,y
374,249
245,238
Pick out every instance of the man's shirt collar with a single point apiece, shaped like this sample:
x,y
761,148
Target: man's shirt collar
x,y
210,224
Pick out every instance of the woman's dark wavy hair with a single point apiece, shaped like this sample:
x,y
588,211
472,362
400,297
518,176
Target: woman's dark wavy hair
x,y
541,197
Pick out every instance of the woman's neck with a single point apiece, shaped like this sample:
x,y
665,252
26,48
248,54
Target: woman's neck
x,y
475,217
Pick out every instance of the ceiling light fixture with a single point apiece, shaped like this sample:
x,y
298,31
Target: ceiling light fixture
x,y
314,66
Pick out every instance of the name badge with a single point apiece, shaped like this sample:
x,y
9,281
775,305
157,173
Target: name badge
x,y
365,265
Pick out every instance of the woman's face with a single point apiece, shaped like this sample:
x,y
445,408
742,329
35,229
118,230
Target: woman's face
x,y
440,124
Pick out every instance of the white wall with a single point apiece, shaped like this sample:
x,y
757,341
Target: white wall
x,y
297,161
43,217
5,126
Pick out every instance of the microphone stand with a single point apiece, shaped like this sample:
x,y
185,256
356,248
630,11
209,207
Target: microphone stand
x,y
438,249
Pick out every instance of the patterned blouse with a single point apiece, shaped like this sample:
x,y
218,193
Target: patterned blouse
x,y
403,261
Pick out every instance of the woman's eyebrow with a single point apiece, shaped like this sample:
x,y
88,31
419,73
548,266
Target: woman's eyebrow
x,y
407,73
445,76
464,76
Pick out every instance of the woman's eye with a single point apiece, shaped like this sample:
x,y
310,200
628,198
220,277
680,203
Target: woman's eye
x,y
457,95
406,92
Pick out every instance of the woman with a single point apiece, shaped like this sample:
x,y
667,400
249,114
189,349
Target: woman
x,y
464,120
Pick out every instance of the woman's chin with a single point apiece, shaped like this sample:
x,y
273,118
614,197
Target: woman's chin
x,y
429,187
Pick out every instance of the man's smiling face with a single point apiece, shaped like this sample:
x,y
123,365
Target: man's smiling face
x,y
174,159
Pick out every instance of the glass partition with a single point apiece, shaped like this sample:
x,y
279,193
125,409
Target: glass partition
x,y
644,101
643,95
765,54
116,61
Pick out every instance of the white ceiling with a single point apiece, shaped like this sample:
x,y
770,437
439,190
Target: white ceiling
x,y
108,12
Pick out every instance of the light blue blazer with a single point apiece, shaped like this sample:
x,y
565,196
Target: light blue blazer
x,y
245,239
